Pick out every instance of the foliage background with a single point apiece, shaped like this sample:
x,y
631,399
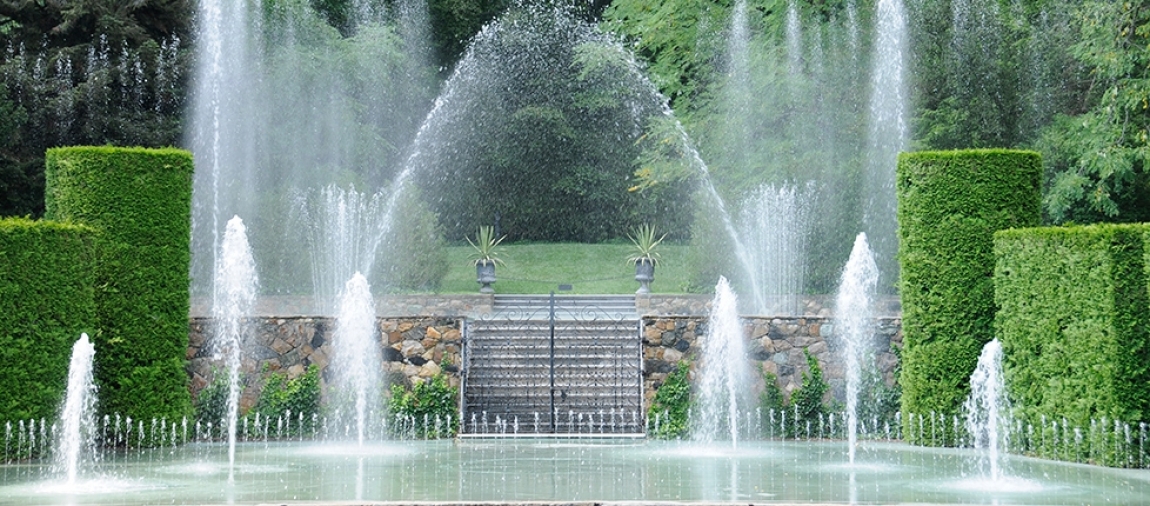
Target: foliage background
x,y
1066,78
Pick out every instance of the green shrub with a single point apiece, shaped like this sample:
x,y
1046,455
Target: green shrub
x,y
950,205
46,301
771,398
140,202
211,403
1073,322
430,404
807,402
878,400
288,398
671,406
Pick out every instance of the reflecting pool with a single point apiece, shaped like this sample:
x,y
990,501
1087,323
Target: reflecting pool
x,y
568,470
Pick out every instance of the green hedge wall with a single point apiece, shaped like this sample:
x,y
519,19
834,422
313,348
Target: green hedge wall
x,y
46,301
950,204
140,200
1073,321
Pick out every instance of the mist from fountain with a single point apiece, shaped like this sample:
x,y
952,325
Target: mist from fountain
x,y
77,417
356,358
236,286
854,326
774,219
987,410
284,105
344,230
478,76
222,132
724,374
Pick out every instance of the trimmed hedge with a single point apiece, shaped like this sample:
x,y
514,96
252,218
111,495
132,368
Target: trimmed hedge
x,y
140,200
950,205
1073,321
46,301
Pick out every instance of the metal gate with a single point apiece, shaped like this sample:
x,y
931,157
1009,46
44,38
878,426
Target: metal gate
x,y
567,366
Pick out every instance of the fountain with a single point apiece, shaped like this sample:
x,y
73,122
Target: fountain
x,y
889,133
774,221
235,294
236,125
345,229
357,358
854,327
988,411
77,418
724,377
284,106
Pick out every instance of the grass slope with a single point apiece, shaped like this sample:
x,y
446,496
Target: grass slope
x,y
538,268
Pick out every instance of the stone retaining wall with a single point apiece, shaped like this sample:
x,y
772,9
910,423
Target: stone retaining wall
x,y
412,350
774,345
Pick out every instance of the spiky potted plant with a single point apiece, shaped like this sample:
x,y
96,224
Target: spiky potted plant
x,y
644,255
485,257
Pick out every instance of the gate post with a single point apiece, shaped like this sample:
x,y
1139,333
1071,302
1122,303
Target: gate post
x,y
552,354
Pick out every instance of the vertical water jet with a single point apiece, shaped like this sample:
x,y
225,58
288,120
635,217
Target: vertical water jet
x,y
988,411
889,133
774,219
853,325
236,285
724,372
356,359
77,417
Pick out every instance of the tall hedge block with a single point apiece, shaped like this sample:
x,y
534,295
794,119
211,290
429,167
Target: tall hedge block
x,y
46,301
140,201
950,203
1073,321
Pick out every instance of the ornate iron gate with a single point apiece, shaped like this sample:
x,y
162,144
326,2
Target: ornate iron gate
x,y
568,367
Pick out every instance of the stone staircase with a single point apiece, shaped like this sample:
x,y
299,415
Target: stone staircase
x,y
596,364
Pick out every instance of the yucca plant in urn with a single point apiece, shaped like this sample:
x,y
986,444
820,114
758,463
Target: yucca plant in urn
x,y
644,255
485,258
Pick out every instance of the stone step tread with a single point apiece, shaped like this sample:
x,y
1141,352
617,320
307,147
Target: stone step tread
x,y
508,369
489,335
535,355
505,401
503,298
478,387
560,326
534,342
576,373
483,387
527,411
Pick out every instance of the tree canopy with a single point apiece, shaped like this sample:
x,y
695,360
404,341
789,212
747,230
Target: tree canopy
x,y
1065,77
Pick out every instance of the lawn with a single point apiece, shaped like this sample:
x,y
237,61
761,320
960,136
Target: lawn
x,y
539,268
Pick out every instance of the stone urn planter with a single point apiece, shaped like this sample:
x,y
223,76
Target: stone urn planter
x,y
485,276
485,257
644,255
644,274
